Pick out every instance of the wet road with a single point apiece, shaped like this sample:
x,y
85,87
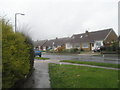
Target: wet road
x,y
103,58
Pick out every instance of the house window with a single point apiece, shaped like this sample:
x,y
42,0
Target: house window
x,y
68,45
85,45
81,36
77,46
73,37
86,35
98,44
92,44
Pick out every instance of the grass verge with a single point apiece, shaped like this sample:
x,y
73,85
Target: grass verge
x,y
93,63
70,76
41,58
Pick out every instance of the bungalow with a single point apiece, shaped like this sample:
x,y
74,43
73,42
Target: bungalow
x,y
119,40
40,44
51,44
87,41
90,40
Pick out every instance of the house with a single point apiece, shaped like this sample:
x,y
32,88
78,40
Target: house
x,y
119,40
51,44
55,43
90,40
40,44
87,41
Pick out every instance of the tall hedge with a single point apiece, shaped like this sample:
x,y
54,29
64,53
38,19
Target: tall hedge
x,y
15,56
0,54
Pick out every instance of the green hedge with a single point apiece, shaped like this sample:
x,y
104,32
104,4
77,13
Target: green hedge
x,y
16,56
72,50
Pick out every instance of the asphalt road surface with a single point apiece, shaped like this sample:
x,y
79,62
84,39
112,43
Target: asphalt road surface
x,y
107,58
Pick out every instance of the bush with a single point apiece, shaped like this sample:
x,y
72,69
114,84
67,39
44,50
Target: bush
x,y
66,51
51,51
81,49
74,50
17,55
109,48
60,49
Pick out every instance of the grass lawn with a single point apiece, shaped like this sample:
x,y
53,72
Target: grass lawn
x,y
41,58
111,55
71,76
93,63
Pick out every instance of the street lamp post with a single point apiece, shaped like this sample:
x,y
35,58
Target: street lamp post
x,y
16,19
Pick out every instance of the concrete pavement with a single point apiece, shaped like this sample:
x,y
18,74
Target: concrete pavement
x,y
40,77
57,62
84,57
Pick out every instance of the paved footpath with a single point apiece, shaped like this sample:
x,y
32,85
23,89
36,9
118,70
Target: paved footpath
x,y
40,77
57,62
88,65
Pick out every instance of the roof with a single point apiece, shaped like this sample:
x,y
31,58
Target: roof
x,y
77,38
119,38
90,36
40,43
57,41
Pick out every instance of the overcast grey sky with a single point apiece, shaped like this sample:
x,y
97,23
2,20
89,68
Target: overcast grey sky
x,y
48,19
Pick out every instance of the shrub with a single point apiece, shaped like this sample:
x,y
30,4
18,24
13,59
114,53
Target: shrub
x,y
60,49
51,51
81,49
73,50
16,56
66,51
109,48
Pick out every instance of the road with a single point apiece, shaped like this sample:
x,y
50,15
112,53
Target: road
x,y
80,57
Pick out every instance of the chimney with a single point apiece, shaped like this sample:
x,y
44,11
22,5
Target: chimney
x,y
86,32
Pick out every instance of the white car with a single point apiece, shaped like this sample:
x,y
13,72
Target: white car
x,y
97,49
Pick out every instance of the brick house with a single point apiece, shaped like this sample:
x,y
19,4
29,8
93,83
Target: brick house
x,y
119,40
90,40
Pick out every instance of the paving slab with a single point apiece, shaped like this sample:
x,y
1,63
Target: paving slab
x,y
40,76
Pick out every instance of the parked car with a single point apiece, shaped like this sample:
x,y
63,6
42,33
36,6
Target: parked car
x,y
97,49
38,53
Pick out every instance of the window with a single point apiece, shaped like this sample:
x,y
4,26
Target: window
x,y
81,36
92,44
77,46
73,37
98,44
86,35
85,45
68,46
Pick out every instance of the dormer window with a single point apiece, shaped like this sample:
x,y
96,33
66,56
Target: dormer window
x,y
81,36
86,35
73,37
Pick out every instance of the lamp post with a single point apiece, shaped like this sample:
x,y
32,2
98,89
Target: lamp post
x,y
16,19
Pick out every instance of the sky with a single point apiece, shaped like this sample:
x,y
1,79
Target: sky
x,y
48,19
